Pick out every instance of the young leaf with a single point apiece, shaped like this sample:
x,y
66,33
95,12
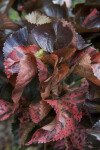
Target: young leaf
x,y
37,18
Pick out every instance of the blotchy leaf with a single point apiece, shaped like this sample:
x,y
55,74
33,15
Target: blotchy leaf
x,y
59,145
42,69
68,112
12,62
26,73
39,111
37,18
67,116
6,109
78,138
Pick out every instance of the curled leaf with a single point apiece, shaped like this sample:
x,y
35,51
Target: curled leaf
x,y
26,73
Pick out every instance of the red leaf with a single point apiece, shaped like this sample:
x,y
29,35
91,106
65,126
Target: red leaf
x,y
42,69
95,63
84,67
78,138
13,58
26,73
69,113
66,121
5,110
58,75
39,111
90,16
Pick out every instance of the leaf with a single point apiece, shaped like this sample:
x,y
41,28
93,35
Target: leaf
x,y
54,10
42,71
81,44
95,64
31,5
6,109
59,145
69,112
59,73
93,105
66,111
78,138
39,111
43,36
16,39
14,57
49,36
92,20
26,73
95,131
37,18
84,69
14,49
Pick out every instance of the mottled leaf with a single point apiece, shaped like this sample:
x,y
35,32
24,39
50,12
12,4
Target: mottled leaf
x,y
92,20
39,111
26,73
6,109
67,115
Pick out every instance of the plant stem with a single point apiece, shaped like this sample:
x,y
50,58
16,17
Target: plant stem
x,y
44,146
10,3
65,141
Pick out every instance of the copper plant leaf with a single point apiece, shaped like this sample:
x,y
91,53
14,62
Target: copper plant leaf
x,y
64,125
69,112
50,36
6,110
26,73
55,10
16,39
39,111
84,68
